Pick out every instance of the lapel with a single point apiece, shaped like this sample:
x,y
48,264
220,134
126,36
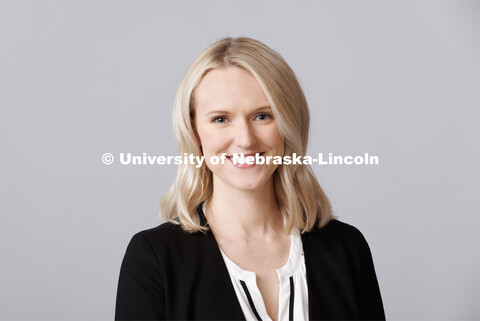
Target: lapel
x,y
225,297
312,282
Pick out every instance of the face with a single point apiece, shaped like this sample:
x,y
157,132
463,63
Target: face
x,y
233,115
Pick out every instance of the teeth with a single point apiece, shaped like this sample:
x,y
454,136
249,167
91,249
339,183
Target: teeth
x,y
239,162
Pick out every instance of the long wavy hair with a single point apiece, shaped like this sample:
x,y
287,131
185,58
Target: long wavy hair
x,y
301,200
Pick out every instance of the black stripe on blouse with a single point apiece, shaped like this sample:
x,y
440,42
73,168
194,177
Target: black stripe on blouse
x,y
252,305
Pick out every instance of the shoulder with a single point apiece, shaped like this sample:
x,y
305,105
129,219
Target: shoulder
x,y
168,238
165,230
337,233
345,231
340,246
336,227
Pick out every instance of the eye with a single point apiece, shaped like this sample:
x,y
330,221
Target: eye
x,y
263,116
219,119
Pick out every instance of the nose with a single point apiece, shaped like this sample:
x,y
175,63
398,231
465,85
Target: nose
x,y
244,135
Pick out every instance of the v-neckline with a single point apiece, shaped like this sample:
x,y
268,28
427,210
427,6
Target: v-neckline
x,y
231,290
287,269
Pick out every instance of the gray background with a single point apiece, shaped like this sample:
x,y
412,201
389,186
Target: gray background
x,y
394,79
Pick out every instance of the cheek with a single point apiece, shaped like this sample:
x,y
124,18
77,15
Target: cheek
x,y
211,141
274,138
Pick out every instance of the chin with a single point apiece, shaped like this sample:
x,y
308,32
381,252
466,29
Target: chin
x,y
244,180
246,183
248,187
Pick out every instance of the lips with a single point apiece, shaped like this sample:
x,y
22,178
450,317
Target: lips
x,y
245,165
245,154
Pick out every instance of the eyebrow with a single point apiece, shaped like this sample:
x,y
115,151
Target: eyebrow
x,y
227,112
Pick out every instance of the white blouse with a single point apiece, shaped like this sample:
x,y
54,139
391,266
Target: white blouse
x,y
250,298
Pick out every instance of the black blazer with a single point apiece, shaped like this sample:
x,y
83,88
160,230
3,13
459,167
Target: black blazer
x,y
168,274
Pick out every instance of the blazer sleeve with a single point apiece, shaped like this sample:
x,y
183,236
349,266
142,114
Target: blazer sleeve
x,y
371,305
140,293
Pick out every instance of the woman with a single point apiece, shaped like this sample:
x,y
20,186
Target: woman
x,y
246,241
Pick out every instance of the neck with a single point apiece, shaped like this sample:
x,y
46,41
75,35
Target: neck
x,y
239,213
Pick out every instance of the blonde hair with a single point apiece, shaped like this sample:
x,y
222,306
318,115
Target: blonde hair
x,y
301,200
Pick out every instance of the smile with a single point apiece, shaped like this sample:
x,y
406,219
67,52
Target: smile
x,y
243,160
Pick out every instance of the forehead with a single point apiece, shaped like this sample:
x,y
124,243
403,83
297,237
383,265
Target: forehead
x,y
229,87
